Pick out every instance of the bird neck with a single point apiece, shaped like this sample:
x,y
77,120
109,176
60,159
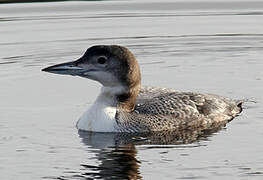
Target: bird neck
x,y
122,97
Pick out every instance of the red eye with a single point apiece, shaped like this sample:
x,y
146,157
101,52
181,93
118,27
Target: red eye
x,y
101,60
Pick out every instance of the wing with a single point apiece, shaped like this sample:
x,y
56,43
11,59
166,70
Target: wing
x,y
168,101
162,109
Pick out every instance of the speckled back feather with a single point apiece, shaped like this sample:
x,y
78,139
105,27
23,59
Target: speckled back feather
x,y
159,109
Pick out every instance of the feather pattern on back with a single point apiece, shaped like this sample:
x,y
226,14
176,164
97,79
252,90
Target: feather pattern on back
x,y
160,109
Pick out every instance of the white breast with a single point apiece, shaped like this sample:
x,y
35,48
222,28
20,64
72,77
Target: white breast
x,y
100,117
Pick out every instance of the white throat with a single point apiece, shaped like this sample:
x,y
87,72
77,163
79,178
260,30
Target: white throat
x,y
100,117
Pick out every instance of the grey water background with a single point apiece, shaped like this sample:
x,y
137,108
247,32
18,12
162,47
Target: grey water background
x,y
201,46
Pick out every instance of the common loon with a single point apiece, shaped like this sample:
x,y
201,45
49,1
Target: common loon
x,y
124,106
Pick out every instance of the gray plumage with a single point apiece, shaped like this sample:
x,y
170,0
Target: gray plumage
x,y
159,109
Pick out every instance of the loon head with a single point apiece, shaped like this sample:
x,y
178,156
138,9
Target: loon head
x,y
115,67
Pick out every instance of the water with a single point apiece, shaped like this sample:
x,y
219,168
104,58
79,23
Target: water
x,y
199,46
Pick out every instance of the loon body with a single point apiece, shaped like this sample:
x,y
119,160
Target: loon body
x,y
124,106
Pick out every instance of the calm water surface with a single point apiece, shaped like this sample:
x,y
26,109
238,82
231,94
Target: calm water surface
x,y
211,47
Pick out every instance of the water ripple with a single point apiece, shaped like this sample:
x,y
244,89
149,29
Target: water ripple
x,y
128,15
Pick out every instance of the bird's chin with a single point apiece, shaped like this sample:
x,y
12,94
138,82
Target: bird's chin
x,y
90,74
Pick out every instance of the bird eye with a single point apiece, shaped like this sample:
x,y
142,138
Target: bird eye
x,y
101,60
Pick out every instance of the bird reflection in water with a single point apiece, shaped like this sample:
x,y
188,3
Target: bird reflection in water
x,y
117,151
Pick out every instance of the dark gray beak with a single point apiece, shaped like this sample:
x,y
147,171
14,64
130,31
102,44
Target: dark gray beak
x,y
69,68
